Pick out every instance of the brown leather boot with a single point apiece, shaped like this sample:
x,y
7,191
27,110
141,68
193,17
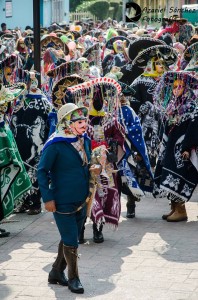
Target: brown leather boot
x,y
71,257
179,213
57,275
164,217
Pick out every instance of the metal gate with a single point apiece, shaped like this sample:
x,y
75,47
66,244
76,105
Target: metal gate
x,y
57,11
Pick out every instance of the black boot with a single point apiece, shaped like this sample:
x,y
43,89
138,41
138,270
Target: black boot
x,y
71,257
35,203
4,233
81,237
97,234
130,206
57,275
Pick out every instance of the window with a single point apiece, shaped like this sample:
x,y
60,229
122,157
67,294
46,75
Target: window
x,y
8,8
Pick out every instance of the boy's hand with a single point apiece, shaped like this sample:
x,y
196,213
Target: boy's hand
x,y
95,169
50,206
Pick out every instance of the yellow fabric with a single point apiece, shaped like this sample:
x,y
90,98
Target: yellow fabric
x,y
95,113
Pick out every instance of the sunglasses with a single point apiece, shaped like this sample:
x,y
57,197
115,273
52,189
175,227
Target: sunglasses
x,y
179,87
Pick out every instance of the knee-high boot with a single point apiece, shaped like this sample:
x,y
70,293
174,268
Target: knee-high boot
x,y
71,257
57,275
130,206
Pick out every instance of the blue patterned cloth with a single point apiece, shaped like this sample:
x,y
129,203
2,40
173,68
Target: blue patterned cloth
x,y
139,178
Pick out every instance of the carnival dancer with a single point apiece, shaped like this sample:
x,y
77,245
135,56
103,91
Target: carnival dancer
x,y
29,124
154,61
134,168
176,171
105,131
118,56
14,179
65,160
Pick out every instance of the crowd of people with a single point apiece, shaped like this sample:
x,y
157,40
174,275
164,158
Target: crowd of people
x,y
116,112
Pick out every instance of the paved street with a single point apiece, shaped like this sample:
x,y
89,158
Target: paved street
x,y
145,259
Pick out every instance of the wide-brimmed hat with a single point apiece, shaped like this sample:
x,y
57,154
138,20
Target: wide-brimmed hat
x,y
7,36
167,38
135,68
25,75
190,51
109,43
70,109
167,53
43,31
109,83
10,61
10,92
93,55
53,41
194,39
2,48
100,90
76,34
29,40
126,89
141,44
66,69
122,32
60,96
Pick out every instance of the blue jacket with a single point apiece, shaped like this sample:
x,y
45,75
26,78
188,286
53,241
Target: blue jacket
x,y
69,179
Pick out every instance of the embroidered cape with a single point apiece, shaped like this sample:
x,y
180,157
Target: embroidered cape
x,y
14,179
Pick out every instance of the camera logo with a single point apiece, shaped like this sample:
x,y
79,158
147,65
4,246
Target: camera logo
x,y
133,12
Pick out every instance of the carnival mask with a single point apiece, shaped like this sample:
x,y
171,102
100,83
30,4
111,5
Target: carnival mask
x,y
34,84
84,62
178,88
159,66
79,127
3,108
8,74
118,46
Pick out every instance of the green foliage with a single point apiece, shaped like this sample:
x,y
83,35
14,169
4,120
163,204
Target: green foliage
x,y
84,6
73,5
119,13
100,9
115,6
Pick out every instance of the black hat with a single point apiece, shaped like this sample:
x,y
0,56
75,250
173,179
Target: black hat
x,y
60,95
93,54
141,44
66,69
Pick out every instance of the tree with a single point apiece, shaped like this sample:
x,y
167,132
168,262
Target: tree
x,y
74,3
99,9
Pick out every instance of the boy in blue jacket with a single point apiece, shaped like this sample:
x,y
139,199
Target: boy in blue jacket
x,y
63,176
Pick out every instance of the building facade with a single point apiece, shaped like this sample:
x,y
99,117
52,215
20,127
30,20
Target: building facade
x,y
19,13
